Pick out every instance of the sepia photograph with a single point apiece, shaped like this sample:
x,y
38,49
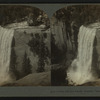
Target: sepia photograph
x,y
36,50
24,46
49,49
75,46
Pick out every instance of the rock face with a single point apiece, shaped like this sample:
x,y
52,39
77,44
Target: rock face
x,y
64,41
36,79
96,53
21,49
22,38
62,50
65,33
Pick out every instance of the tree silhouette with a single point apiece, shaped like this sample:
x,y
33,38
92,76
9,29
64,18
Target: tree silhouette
x,y
26,66
13,62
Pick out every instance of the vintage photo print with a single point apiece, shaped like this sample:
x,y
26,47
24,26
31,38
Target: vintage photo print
x,y
50,49
24,46
75,46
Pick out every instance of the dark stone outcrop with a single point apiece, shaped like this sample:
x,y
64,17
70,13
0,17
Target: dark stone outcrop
x,y
58,75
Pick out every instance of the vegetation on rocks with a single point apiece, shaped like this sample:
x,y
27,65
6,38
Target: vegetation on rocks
x,y
16,13
38,47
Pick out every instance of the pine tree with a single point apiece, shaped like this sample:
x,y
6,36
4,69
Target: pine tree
x,y
26,66
13,62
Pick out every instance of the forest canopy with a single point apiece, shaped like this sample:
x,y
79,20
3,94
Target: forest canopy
x,y
81,14
17,13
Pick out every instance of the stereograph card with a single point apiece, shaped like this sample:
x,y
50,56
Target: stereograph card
x,y
49,49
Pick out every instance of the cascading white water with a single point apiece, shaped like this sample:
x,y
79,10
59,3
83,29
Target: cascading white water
x,y
6,36
80,70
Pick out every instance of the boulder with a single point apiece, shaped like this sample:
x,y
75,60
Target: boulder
x,y
92,83
35,79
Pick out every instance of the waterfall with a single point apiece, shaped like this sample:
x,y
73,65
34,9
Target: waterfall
x,y
6,36
80,70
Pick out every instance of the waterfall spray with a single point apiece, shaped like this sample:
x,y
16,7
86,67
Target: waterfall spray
x,y
80,70
6,36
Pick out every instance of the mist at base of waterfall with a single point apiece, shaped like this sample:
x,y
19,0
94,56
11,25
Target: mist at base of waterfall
x,y
80,70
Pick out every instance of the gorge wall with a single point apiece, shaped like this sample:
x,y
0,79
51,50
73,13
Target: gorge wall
x,y
63,48
24,53
68,45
